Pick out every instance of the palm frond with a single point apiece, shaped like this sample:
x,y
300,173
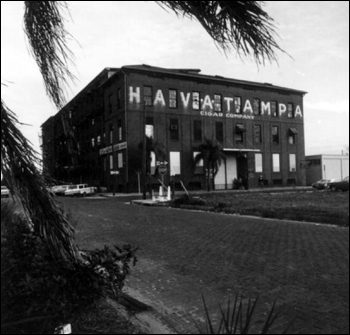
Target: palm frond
x,y
44,27
241,25
18,167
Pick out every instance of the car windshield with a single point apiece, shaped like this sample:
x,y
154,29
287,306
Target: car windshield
x,y
3,187
72,187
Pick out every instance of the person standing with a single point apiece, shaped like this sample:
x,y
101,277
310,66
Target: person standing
x,y
261,181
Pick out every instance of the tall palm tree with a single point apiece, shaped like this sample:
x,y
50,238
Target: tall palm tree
x,y
240,25
210,152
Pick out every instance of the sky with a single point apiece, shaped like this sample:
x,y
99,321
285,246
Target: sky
x,y
116,33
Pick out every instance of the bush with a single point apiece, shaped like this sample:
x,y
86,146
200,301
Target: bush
x,y
186,200
237,320
35,287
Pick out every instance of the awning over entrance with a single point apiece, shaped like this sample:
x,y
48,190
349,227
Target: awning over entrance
x,y
293,131
240,128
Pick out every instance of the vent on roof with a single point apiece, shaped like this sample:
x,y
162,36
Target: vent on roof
x,y
269,84
193,71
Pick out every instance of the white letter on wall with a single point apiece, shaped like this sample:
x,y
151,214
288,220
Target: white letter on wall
x,y
248,107
207,102
185,100
282,108
265,107
298,111
159,98
229,101
134,95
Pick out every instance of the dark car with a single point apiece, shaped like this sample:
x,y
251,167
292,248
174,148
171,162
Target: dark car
x,y
321,184
342,185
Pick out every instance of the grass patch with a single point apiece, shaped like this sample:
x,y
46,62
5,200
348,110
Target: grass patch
x,y
319,207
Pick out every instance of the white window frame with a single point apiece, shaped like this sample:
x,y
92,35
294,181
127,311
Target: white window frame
x,y
259,168
175,163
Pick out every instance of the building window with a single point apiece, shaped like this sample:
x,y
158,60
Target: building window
x,y
292,132
120,130
70,114
120,160
290,110
219,131
291,139
148,95
92,122
196,104
256,107
119,98
173,98
111,162
149,127
99,140
174,129
200,165
238,105
258,163
292,163
175,163
275,135
217,103
274,110
93,142
239,133
276,164
111,133
197,130
110,105
257,134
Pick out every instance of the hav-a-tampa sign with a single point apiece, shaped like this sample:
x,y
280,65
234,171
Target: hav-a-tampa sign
x,y
228,107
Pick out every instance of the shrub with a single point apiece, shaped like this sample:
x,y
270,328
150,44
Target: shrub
x,y
35,287
186,200
237,320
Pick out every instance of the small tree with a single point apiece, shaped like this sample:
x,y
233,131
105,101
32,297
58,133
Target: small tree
x,y
212,155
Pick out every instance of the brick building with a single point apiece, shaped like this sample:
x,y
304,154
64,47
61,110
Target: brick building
x,y
96,137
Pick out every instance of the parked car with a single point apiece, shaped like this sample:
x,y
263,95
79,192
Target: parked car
x,y
337,185
4,192
80,189
59,189
321,184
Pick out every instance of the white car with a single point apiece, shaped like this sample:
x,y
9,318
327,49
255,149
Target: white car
x,y
5,192
80,189
59,189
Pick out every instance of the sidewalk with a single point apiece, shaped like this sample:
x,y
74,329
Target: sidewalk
x,y
198,193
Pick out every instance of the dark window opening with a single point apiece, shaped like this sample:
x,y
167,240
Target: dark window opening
x,y
219,131
275,135
197,132
174,129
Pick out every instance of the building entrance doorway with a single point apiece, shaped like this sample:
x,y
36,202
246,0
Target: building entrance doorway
x,y
242,169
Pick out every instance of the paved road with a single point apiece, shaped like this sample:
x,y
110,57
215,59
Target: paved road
x,y
186,254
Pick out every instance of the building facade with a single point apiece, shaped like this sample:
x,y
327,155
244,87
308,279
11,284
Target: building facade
x,y
326,167
96,138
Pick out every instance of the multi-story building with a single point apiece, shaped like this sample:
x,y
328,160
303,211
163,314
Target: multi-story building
x,y
96,138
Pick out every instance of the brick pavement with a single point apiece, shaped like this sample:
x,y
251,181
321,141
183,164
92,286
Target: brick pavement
x,y
186,254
